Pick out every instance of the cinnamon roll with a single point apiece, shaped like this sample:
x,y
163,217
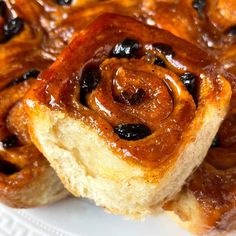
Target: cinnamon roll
x,y
126,113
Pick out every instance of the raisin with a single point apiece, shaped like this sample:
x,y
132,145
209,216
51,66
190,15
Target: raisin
x,y
8,168
29,74
199,5
89,80
3,9
10,142
132,131
159,62
215,142
126,49
189,81
64,2
12,28
231,31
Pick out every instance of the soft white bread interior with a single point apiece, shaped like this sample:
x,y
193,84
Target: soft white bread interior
x,y
89,168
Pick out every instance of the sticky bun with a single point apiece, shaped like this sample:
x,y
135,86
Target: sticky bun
x,y
126,113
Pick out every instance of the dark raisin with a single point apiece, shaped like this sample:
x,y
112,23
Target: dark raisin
x,y
8,168
126,49
64,2
163,48
3,9
138,97
199,5
124,97
159,62
215,142
231,31
12,28
132,99
89,80
10,142
189,81
132,131
29,74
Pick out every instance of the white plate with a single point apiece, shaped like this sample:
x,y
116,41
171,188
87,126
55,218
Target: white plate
x,y
76,217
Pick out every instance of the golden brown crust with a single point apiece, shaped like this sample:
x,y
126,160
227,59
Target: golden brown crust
x,y
32,188
46,28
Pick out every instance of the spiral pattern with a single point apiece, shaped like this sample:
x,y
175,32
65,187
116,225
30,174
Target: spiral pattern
x,y
25,45
114,84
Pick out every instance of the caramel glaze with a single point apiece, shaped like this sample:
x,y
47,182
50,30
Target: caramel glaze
x,y
47,29
60,86
20,164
